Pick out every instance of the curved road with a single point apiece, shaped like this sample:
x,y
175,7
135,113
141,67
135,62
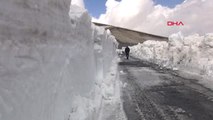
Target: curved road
x,y
151,93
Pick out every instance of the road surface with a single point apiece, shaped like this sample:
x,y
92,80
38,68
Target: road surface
x,y
152,93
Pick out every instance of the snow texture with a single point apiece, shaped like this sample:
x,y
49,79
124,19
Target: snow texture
x,y
112,106
192,54
52,61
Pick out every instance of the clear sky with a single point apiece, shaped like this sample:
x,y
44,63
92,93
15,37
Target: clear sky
x,y
97,7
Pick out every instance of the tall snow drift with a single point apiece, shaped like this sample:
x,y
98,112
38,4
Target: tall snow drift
x,y
193,54
50,61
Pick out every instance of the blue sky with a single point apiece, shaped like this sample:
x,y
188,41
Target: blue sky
x,y
97,7
168,3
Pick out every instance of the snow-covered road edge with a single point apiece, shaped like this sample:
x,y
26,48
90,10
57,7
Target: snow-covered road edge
x,y
189,56
111,105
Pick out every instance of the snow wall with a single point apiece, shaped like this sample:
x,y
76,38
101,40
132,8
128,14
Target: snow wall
x,y
52,61
192,54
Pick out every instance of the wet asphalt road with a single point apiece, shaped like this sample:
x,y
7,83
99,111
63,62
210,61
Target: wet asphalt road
x,y
152,93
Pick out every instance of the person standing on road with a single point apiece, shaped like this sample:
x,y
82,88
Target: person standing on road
x,y
127,50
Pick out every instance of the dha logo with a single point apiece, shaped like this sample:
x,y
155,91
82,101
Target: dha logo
x,y
177,23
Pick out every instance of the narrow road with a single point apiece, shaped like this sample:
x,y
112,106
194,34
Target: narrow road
x,y
152,93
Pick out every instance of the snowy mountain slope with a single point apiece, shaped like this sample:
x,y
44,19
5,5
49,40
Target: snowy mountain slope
x,y
192,54
51,63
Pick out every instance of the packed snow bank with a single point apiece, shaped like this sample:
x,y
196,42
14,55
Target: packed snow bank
x,y
52,63
106,68
192,54
111,106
